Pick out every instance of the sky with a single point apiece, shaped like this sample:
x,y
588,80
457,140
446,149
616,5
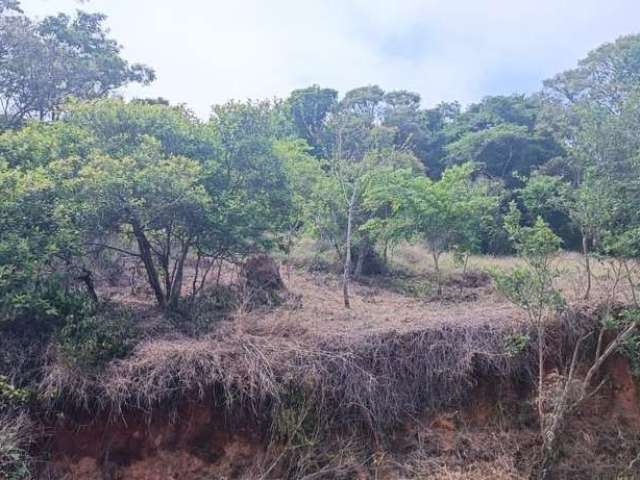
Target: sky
x,y
206,52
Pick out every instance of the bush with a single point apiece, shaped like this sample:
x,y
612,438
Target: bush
x,y
198,316
11,396
91,341
630,348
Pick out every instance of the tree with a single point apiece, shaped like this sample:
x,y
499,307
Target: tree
x,y
159,185
38,284
157,201
337,208
10,5
547,196
605,77
118,128
247,178
304,173
309,109
592,206
445,214
596,108
39,143
401,113
500,134
44,63
532,287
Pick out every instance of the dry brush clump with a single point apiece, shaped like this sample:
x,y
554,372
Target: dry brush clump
x,y
16,438
323,404
373,382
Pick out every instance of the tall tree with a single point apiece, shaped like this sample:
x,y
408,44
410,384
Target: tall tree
x,y
499,134
309,109
44,63
606,76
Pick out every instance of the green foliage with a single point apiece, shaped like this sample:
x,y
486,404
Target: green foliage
x,y
119,128
623,243
446,214
93,339
11,396
544,194
38,144
630,348
531,287
43,63
525,288
36,284
516,343
593,110
549,197
536,244
604,77
309,109
502,151
303,173
248,179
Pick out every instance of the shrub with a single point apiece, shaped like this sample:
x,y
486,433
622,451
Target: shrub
x,y
91,341
10,395
198,315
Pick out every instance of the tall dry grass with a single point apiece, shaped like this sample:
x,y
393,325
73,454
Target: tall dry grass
x,y
16,436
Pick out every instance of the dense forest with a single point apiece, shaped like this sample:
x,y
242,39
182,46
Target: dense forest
x,y
92,185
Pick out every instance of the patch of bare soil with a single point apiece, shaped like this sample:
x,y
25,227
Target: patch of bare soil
x,y
491,436
192,443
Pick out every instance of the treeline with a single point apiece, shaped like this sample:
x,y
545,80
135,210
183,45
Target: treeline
x,y
86,176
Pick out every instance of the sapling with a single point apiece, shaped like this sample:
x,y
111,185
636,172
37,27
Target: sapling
x,y
532,288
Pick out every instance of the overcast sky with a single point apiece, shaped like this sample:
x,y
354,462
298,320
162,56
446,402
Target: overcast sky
x,y
209,51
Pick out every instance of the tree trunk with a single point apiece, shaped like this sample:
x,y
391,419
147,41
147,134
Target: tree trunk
x,y
364,251
147,260
176,284
436,262
347,260
587,264
87,279
541,339
550,445
385,254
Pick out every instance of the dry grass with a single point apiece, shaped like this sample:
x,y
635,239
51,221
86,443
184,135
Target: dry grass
x,y
310,371
16,436
572,280
369,381
389,356
499,469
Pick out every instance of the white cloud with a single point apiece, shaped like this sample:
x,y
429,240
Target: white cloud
x,y
207,52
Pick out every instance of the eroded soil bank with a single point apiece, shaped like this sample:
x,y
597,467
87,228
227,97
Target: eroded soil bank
x,y
493,434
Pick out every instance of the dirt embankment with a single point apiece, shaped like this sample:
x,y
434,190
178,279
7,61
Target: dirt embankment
x,y
493,435
192,442
438,402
